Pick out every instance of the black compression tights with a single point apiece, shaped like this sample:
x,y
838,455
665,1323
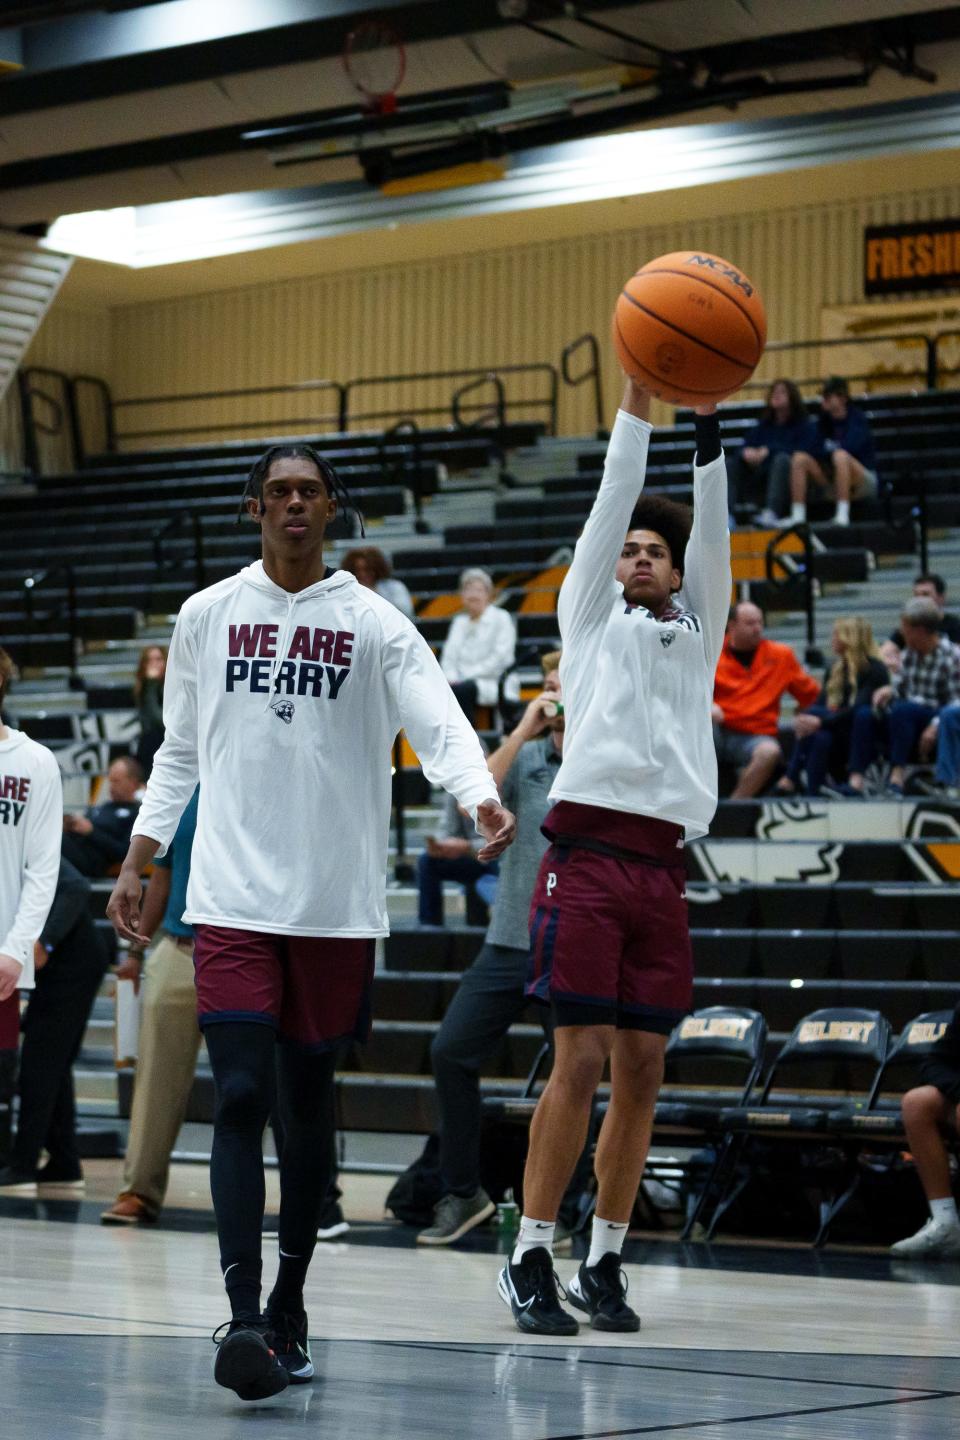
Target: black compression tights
x,y
243,1055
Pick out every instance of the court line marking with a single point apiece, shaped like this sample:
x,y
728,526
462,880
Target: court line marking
x,y
587,1358
116,1319
749,1419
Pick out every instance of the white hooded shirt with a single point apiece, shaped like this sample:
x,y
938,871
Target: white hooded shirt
x,y
284,707
31,828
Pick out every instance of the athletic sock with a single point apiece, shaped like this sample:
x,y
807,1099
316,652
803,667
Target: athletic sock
x,y
842,516
242,1282
606,1237
798,512
287,1293
944,1212
534,1235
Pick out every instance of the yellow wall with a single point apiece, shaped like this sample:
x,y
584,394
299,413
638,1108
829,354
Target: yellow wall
x,y
490,302
76,339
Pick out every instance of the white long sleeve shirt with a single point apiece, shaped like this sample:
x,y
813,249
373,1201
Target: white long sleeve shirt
x,y
638,691
480,650
284,707
31,828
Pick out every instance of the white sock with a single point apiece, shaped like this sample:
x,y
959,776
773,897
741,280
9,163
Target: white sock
x,y
534,1235
842,516
798,512
944,1212
606,1236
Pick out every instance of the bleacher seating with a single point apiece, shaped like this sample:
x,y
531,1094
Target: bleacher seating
x,y
795,906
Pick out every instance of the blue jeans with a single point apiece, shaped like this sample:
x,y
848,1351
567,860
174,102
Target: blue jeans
x,y
899,727
948,746
431,873
823,753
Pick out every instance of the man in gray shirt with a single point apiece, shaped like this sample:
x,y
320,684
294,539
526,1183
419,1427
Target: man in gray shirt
x,y
490,997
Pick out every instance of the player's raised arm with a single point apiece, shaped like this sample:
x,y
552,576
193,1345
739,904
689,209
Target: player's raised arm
x,y
589,588
707,579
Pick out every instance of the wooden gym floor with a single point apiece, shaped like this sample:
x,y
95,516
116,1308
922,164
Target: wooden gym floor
x,y
107,1332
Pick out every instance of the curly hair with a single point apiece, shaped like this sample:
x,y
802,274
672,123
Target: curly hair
x,y
380,566
670,519
334,486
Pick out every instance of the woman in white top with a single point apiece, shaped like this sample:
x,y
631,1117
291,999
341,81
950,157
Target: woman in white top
x,y
480,645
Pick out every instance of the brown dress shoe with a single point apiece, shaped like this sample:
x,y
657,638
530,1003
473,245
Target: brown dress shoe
x,y
129,1209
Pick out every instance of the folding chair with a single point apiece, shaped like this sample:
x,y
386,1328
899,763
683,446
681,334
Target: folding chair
x,y
705,1045
834,1038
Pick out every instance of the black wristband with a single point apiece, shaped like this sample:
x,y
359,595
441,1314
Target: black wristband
x,y
708,438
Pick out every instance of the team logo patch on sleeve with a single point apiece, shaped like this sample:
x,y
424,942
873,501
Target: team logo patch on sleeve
x,y
667,638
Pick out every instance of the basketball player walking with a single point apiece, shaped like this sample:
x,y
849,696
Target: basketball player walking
x,y
285,687
610,945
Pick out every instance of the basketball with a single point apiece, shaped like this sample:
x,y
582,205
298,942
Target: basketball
x,y
690,327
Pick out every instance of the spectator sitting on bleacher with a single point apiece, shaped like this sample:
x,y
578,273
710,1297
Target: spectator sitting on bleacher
x,y
752,675
370,567
823,730
480,645
902,712
760,469
98,838
838,455
934,587
929,1111
148,693
452,856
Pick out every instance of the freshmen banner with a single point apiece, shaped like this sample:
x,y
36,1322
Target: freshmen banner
x,y
922,255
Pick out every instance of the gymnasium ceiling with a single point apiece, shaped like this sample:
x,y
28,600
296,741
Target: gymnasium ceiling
x,y
127,106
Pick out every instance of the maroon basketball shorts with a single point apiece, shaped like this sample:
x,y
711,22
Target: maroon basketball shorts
x,y
314,991
610,938
10,1022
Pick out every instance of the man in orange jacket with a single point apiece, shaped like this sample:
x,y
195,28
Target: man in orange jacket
x,y
751,678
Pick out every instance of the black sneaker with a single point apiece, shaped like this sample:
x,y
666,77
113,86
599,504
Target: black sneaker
x,y
246,1360
62,1176
531,1289
291,1344
17,1182
332,1223
601,1290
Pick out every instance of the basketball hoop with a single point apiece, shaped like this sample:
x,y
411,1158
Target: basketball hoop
x,y
375,61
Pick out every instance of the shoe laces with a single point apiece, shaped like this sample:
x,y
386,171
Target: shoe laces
x,y
612,1280
544,1277
285,1327
243,1322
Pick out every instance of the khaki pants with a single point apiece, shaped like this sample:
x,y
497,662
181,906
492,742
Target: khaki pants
x,y
169,1044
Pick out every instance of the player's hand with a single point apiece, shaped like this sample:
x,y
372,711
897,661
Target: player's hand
x,y
716,713
882,697
636,400
130,968
452,848
497,826
10,972
123,907
804,725
533,721
704,409
40,955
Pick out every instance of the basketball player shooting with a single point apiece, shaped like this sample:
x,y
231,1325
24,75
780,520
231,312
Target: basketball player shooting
x,y
642,613
286,685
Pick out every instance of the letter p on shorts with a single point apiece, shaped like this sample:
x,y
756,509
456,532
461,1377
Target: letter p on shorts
x,y
551,882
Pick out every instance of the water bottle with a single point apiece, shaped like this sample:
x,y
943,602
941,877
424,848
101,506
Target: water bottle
x,y
508,1216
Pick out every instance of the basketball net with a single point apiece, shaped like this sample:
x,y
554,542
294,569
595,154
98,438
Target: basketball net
x,y
375,62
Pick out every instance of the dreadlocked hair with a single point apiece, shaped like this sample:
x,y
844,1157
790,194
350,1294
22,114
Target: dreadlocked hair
x,y
253,490
668,518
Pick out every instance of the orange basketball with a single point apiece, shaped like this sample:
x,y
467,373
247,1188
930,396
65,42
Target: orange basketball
x,y
690,327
